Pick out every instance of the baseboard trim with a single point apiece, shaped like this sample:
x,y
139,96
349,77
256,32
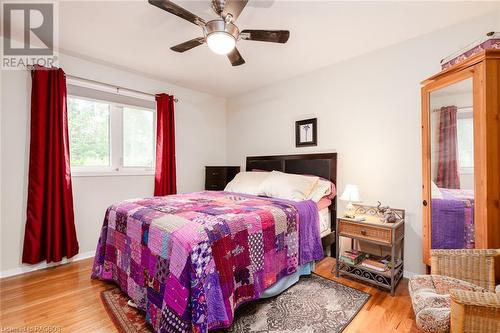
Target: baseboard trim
x,y
408,274
31,268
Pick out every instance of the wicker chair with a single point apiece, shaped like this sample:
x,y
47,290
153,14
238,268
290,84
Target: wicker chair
x,y
459,295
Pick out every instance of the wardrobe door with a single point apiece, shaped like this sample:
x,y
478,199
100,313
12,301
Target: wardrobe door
x,y
450,166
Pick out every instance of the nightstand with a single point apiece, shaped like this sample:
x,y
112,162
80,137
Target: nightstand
x,y
217,177
372,231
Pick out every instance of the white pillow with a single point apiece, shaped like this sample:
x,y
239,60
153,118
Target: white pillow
x,y
246,182
287,186
435,191
323,187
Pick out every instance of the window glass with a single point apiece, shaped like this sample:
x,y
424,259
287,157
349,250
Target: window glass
x,y
88,125
138,138
465,142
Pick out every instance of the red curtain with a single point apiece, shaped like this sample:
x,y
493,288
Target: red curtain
x,y
165,182
447,175
50,229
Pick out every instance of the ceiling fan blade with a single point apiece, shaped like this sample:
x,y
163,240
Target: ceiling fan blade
x,y
233,7
235,57
262,3
274,36
188,45
177,10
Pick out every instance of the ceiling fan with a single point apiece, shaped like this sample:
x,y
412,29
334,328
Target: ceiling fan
x,y
221,34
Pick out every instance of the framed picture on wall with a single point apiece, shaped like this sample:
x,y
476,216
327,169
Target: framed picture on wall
x,y
306,132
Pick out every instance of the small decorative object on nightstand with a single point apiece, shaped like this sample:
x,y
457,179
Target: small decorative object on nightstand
x,y
388,215
382,271
351,194
217,177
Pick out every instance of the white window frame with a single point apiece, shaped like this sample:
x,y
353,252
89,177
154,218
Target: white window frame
x,y
116,167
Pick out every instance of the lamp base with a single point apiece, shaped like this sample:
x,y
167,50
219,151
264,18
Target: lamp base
x,y
349,213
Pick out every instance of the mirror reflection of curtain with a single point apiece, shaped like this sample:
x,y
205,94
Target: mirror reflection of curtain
x,y
447,175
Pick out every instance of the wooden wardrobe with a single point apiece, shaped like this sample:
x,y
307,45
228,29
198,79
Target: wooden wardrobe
x,y
461,155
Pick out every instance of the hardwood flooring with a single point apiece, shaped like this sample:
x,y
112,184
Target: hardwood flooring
x,y
65,299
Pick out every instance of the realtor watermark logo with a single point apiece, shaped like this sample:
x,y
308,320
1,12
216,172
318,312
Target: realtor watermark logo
x,y
29,34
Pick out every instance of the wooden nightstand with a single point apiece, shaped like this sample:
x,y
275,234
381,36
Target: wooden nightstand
x,y
372,231
217,177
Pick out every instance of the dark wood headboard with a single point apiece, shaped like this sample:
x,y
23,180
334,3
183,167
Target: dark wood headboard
x,y
323,165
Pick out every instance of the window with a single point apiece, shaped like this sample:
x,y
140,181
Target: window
x,y
138,138
88,124
110,138
465,133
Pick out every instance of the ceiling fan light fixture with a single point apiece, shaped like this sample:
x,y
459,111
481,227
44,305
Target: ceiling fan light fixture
x,y
221,42
221,34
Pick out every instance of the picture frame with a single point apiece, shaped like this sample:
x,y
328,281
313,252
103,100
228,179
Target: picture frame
x,y
306,132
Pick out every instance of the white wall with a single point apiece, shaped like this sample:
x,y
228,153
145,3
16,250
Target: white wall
x,y
368,110
200,140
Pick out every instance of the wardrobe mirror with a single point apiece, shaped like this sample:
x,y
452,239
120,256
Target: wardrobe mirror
x,y
452,166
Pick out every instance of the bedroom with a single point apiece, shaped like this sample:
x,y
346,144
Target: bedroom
x,y
356,67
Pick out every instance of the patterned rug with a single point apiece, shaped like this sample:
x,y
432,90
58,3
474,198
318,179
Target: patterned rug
x,y
314,304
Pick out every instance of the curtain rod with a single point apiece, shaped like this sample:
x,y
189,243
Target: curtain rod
x,y
460,108
118,88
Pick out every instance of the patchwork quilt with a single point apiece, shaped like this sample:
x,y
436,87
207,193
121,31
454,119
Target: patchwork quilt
x,y
190,260
453,220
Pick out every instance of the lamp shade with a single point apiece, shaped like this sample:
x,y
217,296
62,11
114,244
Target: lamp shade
x,y
351,193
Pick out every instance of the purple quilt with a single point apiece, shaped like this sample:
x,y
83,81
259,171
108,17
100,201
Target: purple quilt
x,y
190,260
453,220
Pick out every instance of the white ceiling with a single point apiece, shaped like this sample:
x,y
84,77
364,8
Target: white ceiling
x,y
137,36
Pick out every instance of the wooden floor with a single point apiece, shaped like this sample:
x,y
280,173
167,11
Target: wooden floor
x,y
65,299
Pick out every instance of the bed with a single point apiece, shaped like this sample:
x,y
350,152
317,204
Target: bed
x,y
189,260
322,165
453,219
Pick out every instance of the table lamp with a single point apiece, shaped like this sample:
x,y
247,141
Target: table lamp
x,y
350,194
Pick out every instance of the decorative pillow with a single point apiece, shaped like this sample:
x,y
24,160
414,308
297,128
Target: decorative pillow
x,y
288,186
246,182
323,203
323,188
435,191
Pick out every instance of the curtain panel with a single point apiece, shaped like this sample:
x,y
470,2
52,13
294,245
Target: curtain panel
x,y
165,175
448,169
50,229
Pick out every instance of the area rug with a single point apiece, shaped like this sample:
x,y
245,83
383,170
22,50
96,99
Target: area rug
x,y
314,304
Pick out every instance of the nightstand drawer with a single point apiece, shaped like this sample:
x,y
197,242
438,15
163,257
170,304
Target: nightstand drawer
x,y
215,184
217,177
373,233
215,173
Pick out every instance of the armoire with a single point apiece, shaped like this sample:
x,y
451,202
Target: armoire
x,y
461,155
